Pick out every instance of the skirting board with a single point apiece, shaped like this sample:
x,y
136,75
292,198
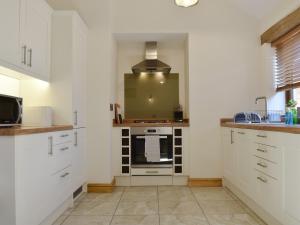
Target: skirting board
x,y
205,182
101,188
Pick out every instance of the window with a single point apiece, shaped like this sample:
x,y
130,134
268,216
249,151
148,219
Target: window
x,y
287,61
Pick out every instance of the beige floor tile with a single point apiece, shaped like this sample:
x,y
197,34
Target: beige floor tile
x,y
134,196
143,189
95,208
176,195
235,219
136,220
109,197
183,220
137,208
60,220
212,194
173,188
87,220
221,207
179,208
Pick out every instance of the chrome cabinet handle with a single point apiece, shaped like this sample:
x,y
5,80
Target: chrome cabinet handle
x,y
262,165
64,149
76,139
24,49
261,136
76,118
50,139
64,175
261,150
262,179
30,58
241,133
152,172
64,135
231,137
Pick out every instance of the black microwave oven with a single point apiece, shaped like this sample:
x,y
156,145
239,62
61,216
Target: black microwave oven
x,y
10,111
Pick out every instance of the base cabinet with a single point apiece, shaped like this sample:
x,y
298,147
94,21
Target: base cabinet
x,y
33,177
253,163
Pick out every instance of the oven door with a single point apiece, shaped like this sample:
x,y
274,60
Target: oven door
x,y
138,158
10,110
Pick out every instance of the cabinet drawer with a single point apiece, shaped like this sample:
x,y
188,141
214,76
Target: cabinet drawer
x,y
61,157
62,186
267,167
269,194
268,152
62,137
151,171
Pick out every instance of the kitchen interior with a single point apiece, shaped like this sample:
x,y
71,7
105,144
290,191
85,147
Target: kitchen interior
x,y
111,116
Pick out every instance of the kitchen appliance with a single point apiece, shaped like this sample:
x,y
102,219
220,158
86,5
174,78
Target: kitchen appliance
x,y
151,64
139,137
10,111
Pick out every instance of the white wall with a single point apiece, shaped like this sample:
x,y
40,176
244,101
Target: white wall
x,y
223,65
9,86
171,52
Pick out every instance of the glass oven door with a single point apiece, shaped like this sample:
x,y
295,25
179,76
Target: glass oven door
x,y
138,150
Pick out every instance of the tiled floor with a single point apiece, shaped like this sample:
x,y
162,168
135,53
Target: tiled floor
x,y
163,205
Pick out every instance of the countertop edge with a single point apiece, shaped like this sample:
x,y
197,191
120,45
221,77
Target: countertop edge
x,y
16,131
262,127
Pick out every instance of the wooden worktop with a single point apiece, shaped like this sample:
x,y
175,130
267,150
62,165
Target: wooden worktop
x,y
14,131
158,123
293,129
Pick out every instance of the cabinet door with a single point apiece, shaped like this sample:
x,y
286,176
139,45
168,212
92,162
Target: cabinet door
x,y
79,159
33,183
244,161
292,181
79,73
230,155
10,33
35,33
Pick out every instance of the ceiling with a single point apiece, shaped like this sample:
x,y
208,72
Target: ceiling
x,y
258,8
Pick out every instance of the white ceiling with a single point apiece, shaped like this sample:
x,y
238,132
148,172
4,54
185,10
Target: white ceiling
x,y
258,8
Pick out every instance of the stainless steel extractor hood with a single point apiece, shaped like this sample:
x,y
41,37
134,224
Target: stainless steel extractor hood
x,y
151,64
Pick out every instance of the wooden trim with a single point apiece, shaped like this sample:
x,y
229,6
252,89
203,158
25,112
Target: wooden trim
x,y
286,37
14,131
281,28
205,182
101,188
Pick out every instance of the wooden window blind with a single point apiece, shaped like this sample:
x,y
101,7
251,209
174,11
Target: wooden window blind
x,y
287,60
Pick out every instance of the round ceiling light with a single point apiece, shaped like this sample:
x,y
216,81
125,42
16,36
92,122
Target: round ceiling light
x,y
186,3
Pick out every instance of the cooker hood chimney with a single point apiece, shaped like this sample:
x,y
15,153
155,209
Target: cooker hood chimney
x,y
151,64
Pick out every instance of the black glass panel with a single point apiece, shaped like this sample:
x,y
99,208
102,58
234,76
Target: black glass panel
x,y
178,132
178,160
178,169
178,141
125,141
125,169
178,150
125,151
125,160
125,132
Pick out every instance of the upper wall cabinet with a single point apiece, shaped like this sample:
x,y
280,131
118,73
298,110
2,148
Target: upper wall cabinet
x,y
10,33
26,37
36,37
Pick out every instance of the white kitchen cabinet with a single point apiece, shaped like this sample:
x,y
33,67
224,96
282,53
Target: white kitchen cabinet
x,y
10,33
79,159
243,148
292,180
68,78
34,181
26,37
229,155
36,38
